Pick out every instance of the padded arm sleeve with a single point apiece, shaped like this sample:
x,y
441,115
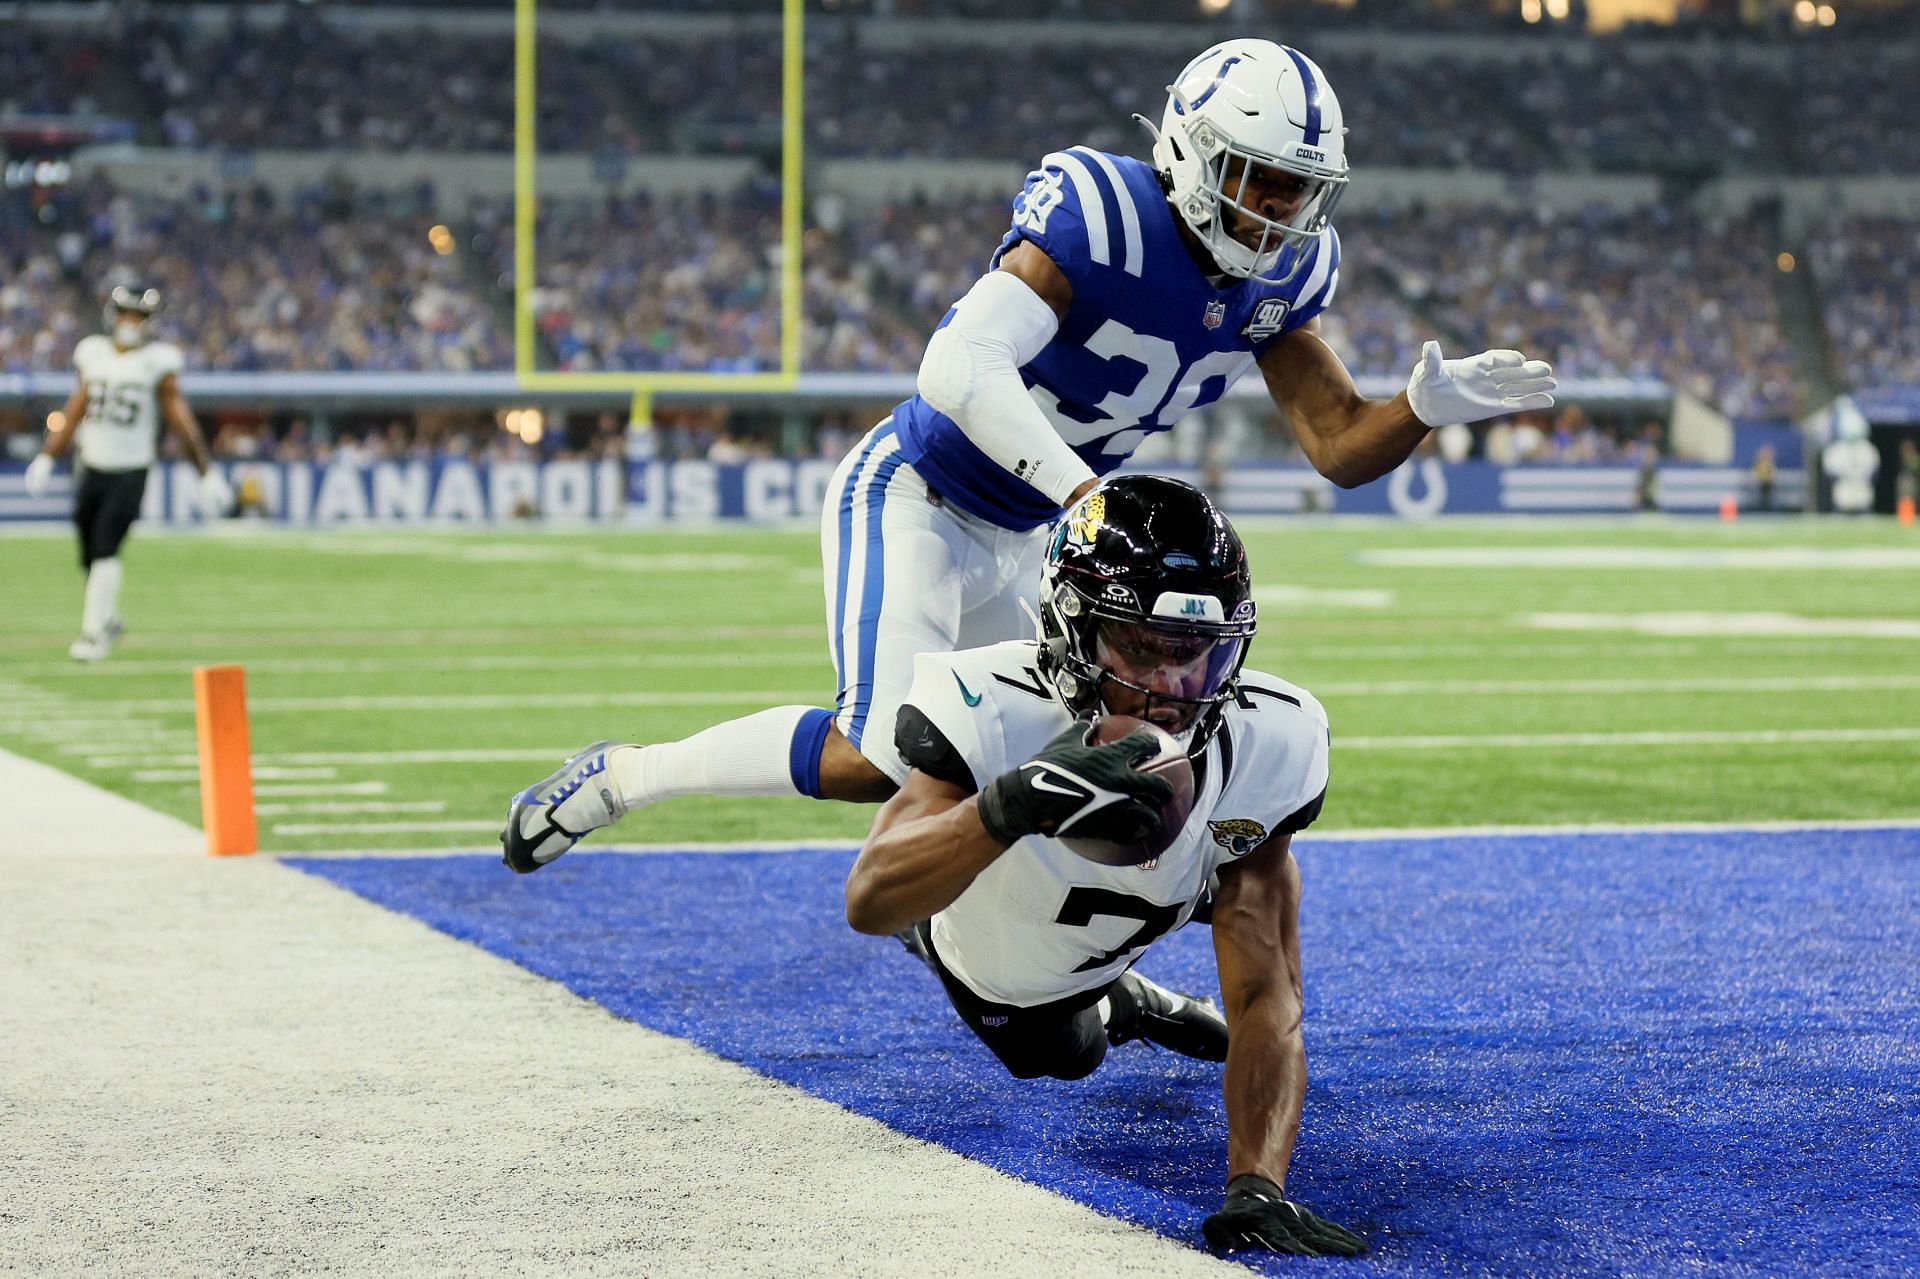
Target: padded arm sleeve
x,y
971,372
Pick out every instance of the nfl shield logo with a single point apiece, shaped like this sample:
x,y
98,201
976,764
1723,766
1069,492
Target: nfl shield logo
x,y
1216,313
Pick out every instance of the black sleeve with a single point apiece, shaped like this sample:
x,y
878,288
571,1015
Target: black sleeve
x,y
926,748
1304,816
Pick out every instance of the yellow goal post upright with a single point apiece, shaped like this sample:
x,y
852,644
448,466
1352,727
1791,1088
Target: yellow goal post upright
x,y
642,386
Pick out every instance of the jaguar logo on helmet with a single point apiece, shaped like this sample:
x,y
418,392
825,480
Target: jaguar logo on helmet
x,y
1087,518
1238,835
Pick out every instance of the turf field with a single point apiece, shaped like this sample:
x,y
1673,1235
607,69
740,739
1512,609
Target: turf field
x,y
403,682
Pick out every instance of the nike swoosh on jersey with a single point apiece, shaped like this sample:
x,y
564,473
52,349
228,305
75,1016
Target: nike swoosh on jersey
x,y
970,698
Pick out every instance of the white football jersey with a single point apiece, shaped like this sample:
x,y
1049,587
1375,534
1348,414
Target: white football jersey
x,y
1042,922
121,429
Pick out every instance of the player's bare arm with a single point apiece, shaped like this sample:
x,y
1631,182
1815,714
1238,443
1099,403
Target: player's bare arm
x,y
178,415
1256,943
927,844
1351,439
1348,438
934,837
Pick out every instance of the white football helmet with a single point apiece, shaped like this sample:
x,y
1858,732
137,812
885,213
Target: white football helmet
x,y
1266,106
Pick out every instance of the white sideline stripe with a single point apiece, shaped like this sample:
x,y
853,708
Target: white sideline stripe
x,y
379,828
323,1023
173,741
112,824
1693,558
1735,737
322,788
477,701
1358,835
1718,624
369,806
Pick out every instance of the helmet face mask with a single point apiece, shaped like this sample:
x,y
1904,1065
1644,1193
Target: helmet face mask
x,y
128,312
1146,607
1244,117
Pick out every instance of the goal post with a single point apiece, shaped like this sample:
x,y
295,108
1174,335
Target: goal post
x,y
529,376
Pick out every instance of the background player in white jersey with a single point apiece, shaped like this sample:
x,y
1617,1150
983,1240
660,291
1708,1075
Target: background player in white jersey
x,y
1123,296
1148,611
125,386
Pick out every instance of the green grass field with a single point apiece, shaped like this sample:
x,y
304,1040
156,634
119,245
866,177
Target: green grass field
x,y
1652,693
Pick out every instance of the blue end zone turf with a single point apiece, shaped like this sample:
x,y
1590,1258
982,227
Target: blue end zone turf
x,y
1637,1055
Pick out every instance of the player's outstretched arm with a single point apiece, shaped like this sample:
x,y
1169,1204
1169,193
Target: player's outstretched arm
x,y
932,838
216,496
1351,439
926,846
971,371
1256,940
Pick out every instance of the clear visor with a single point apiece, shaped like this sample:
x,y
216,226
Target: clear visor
x,y
1163,675
1264,208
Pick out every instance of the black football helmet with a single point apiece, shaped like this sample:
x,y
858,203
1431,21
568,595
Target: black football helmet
x,y
1146,606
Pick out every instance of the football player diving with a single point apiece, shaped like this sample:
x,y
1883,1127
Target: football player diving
x,y
125,386
1124,295
1147,610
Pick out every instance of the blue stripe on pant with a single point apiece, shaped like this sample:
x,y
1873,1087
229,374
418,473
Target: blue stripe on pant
x,y
872,593
847,497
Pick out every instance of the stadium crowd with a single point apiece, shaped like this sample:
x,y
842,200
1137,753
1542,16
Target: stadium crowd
x,y
311,82
339,279
1869,274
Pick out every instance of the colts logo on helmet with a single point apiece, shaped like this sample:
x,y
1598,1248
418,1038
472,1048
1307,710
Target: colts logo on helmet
x,y
1087,521
1238,835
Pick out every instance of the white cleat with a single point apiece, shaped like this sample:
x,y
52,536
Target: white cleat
x,y
92,648
552,815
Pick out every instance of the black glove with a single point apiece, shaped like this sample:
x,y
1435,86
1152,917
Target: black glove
x,y
1257,1215
1071,788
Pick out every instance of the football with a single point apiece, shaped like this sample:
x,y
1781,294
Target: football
x,y
1171,763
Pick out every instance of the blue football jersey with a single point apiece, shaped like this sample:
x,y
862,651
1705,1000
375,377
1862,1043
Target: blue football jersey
x,y
1147,339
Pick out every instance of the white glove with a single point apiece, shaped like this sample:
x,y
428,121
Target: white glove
x,y
1490,384
39,475
216,495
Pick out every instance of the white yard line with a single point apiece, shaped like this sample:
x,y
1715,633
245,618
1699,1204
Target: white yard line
x,y
1742,625
321,807
438,663
474,701
227,644
322,788
775,697
1727,737
1678,558
1530,741
267,773
381,828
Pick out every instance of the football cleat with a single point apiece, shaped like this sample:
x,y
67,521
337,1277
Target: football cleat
x,y
93,648
552,815
1179,1023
